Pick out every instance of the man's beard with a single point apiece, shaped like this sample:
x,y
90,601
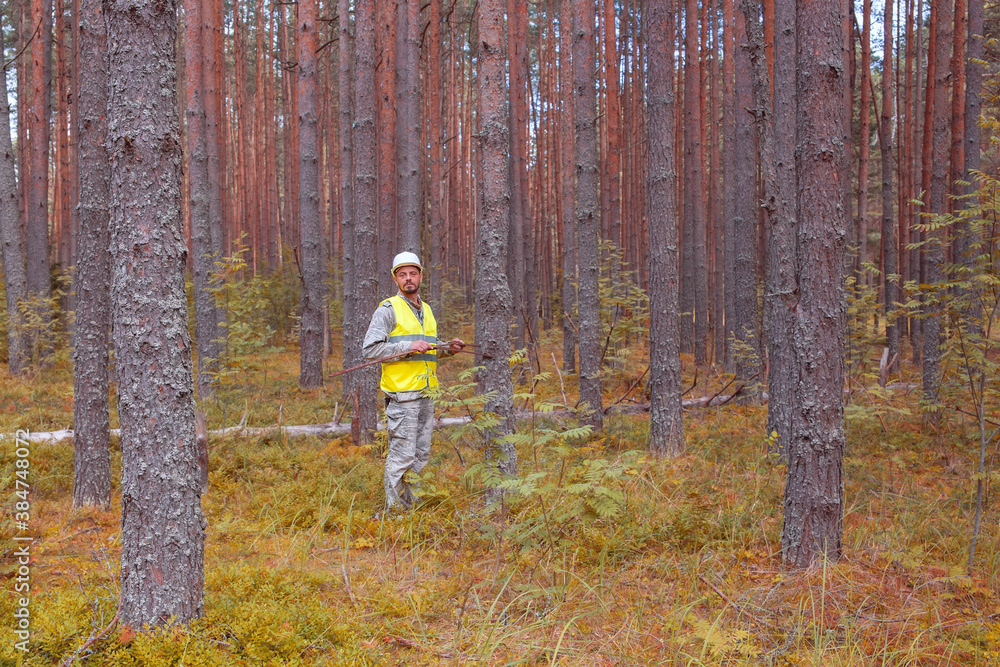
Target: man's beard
x,y
409,288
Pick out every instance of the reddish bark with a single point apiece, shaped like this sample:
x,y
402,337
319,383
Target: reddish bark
x,y
666,429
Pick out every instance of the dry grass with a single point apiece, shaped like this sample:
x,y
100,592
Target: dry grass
x,y
689,573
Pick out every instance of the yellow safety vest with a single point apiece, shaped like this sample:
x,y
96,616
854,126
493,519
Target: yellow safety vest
x,y
419,371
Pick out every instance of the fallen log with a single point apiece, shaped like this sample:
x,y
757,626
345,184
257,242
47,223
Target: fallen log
x,y
339,429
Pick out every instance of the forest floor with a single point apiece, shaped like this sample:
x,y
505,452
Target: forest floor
x,y
605,555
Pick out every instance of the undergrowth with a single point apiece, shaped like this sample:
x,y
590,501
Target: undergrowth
x,y
603,555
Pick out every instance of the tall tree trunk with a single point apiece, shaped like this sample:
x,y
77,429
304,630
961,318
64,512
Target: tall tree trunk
x,y
694,185
666,424
568,145
934,255
354,319
206,314
746,325
958,113
890,248
730,177
61,205
520,225
612,113
864,144
814,492
918,261
973,105
37,122
907,163
364,416
959,232
715,194
386,147
587,211
91,426
973,90
312,238
12,240
408,128
163,528
494,303
436,186
780,182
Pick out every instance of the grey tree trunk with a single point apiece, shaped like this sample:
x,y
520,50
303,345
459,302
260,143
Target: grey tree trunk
x,y
568,145
353,319
520,260
730,178
746,315
587,211
91,425
934,253
12,238
388,244
202,247
890,247
973,89
494,304
163,529
364,414
666,425
37,119
972,139
695,295
312,240
814,492
409,202
437,184
780,294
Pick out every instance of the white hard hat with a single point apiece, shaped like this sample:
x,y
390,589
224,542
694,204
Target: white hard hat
x,y
405,259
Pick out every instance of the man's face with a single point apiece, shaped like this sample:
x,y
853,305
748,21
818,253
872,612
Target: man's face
x,y
408,279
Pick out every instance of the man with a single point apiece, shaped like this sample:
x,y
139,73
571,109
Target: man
x,y
404,323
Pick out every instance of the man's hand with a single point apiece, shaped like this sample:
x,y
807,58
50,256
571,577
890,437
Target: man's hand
x,y
420,346
456,345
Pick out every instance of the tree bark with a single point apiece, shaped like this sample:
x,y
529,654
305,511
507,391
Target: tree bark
x,y
436,186
199,176
934,254
814,492
666,424
715,218
568,145
519,227
864,144
37,123
386,147
971,131
746,315
587,211
91,425
12,239
494,303
365,211
354,318
730,177
408,128
890,247
777,146
163,529
973,91
312,239
695,306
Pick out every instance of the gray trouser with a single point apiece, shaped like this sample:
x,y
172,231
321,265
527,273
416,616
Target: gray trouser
x,y
410,426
